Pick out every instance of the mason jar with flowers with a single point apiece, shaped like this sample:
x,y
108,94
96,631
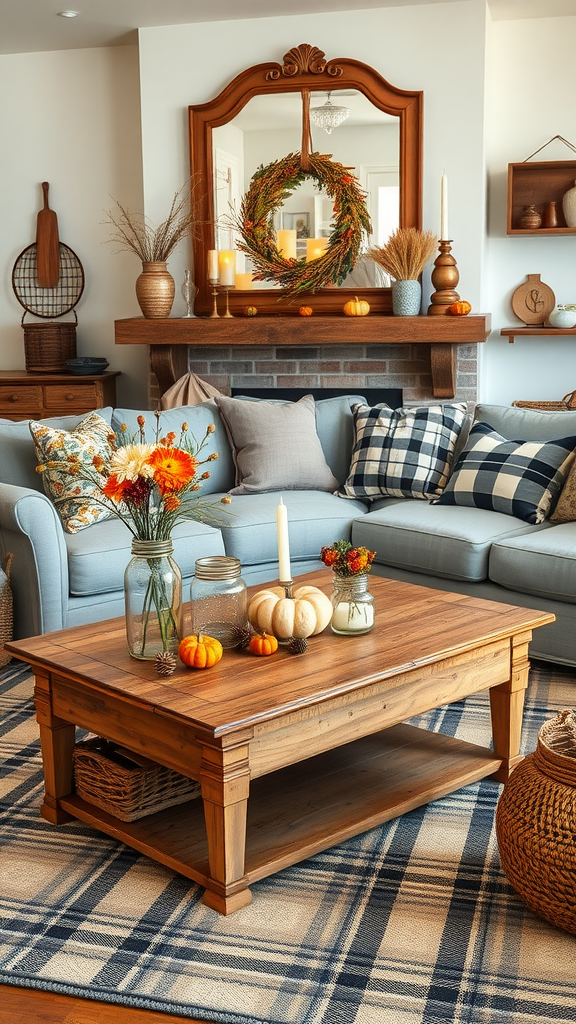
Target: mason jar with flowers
x,y
151,487
353,605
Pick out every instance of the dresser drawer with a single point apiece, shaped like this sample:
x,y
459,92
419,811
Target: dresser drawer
x,y
13,398
70,397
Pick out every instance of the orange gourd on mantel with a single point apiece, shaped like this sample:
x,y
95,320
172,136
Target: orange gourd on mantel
x,y
305,311
356,307
460,308
200,651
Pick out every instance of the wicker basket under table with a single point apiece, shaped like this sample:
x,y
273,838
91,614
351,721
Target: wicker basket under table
x,y
536,824
126,784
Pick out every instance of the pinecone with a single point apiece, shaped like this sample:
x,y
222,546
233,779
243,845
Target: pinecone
x,y
165,663
297,645
243,638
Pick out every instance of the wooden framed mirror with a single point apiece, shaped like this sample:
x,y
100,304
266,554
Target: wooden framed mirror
x,y
216,166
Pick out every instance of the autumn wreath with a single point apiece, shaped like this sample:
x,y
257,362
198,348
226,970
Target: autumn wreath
x,y
270,187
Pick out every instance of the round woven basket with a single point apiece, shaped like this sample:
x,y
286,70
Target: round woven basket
x,y
536,824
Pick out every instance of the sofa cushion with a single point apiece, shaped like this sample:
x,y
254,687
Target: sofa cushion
x,y
402,452
450,542
197,418
18,454
542,563
518,424
98,557
565,511
315,518
275,446
76,494
521,479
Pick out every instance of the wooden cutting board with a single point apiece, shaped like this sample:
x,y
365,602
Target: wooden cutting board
x,y
47,245
533,301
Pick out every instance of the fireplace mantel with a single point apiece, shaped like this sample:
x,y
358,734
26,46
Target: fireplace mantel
x,y
168,338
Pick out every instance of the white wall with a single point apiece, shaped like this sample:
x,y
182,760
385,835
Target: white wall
x,y
533,85
72,118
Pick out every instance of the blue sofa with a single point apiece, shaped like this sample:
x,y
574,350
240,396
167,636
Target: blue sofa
x,y
61,579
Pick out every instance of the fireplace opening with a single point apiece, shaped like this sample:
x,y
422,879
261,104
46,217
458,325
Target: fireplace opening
x,y
373,396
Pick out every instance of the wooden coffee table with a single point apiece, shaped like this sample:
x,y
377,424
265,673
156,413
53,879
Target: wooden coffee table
x,y
294,753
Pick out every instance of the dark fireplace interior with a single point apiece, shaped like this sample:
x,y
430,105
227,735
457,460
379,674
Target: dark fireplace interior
x,y
374,396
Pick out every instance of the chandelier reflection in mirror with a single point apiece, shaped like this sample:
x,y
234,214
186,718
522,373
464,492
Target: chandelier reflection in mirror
x,y
328,116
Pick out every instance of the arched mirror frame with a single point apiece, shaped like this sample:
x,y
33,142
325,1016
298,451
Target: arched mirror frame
x,y
304,67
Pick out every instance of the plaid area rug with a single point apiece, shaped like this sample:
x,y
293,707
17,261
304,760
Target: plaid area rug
x,y
411,922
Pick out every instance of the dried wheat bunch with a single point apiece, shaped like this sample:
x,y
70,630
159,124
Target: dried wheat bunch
x,y
406,253
133,233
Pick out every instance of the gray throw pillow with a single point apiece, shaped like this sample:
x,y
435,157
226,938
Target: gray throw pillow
x,y
275,446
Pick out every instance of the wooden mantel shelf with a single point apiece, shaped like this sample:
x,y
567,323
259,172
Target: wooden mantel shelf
x,y
168,358
517,332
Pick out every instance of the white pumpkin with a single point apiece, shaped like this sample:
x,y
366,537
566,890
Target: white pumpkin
x,y
307,613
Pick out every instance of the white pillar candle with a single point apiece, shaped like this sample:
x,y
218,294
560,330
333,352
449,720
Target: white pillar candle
x,y
243,281
284,571
212,264
315,247
444,209
227,267
286,244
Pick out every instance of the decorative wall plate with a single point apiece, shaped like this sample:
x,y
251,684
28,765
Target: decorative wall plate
x,y
533,301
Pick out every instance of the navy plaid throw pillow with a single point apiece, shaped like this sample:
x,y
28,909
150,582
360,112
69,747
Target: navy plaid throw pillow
x,y
402,453
518,478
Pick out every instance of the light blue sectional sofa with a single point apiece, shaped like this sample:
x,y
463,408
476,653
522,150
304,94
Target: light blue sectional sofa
x,y
61,579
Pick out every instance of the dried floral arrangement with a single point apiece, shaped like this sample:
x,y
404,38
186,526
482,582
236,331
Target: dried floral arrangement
x,y
271,185
133,233
405,254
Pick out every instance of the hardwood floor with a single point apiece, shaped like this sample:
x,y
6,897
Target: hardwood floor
x,y
28,1006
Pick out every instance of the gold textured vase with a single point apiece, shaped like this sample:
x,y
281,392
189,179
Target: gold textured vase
x,y
155,290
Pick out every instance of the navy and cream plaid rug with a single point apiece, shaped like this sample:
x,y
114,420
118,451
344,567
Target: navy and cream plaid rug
x,y
411,922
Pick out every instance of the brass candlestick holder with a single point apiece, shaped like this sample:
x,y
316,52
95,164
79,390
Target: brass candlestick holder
x,y
227,312
445,277
214,313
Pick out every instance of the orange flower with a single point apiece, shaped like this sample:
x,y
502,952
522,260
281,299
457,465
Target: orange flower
x,y
173,469
172,503
114,488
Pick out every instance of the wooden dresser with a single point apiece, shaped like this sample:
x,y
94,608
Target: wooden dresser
x,y
39,395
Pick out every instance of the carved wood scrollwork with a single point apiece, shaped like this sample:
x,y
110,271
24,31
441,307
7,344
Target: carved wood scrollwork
x,y
303,60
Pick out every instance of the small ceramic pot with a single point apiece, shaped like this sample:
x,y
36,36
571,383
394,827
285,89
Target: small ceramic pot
x,y
406,297
565,318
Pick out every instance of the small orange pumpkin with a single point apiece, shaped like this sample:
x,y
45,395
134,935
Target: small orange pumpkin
x,y
461,308
305,310
263,644
250,310
200,651
357,307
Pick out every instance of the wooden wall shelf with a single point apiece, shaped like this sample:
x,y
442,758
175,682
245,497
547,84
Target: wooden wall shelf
x,y
517,332
536,184
167,338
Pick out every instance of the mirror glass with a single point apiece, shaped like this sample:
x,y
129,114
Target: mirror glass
x,y
268,128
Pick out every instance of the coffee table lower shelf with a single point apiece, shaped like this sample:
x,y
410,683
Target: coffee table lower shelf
x,y
312,805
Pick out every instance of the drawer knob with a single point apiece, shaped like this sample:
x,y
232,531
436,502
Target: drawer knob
x,y
70,397
13,398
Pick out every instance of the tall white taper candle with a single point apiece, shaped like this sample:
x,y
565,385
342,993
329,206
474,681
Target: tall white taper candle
x,y
444,209
284,572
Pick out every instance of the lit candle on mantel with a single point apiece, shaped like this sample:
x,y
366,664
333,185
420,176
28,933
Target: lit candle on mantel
x,y
286,243
212,264
284,571
227,267
315,247
243,281
444,209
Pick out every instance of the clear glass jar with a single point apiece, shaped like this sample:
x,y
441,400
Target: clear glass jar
x,y
219,599
153,597
353,606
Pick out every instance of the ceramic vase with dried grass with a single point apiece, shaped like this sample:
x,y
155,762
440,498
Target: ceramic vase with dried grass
x,y
155,289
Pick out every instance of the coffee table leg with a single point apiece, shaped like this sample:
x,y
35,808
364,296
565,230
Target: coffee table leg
x,y
57,739
506,706
225,779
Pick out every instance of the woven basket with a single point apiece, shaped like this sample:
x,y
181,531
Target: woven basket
x,y
536,824
5,611
125,784
47,346
568,402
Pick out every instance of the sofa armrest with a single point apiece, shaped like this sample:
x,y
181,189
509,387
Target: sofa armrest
x,y
31,529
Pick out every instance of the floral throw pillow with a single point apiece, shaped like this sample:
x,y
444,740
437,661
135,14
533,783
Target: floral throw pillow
x,y
73,496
